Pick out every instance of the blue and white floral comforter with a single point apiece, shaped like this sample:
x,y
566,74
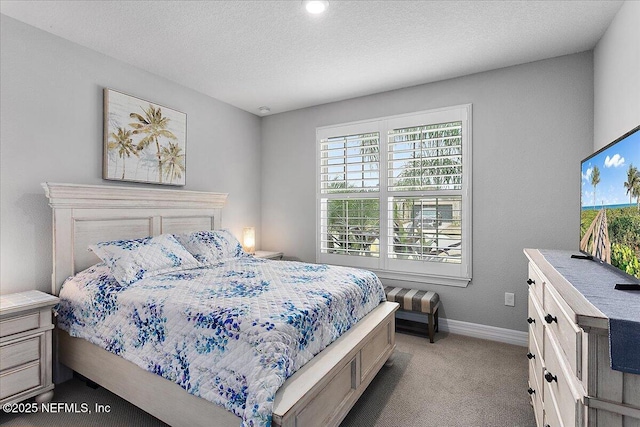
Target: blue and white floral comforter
x,y
231,333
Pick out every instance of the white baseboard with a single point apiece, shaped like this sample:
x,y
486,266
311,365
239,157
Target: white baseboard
x,y
492,333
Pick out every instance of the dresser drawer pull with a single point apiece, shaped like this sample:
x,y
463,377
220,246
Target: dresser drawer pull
x,y
531,391
550,319
531,356
531,320
531,282
550,377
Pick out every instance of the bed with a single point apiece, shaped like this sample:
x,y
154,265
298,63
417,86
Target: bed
x,y
320,393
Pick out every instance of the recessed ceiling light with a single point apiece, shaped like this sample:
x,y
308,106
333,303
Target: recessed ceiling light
x,y
264,109
315,6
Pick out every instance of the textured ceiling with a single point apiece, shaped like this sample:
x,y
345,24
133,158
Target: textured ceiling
x,y
254,53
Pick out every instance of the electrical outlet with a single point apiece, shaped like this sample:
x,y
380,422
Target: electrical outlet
x,y
509,299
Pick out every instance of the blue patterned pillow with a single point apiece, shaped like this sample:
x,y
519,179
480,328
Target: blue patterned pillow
x,y
210,247
133,260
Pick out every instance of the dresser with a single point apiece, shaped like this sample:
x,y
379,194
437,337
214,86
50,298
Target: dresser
x,y
25,346
571,382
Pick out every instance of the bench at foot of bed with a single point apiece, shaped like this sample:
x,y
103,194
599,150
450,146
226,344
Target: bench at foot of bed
x,y
413,300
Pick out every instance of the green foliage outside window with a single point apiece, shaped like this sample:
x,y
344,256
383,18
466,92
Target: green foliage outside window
x,y
353,226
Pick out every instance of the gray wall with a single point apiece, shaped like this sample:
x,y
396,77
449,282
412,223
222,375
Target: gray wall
x,y
51,115
532,124
617,77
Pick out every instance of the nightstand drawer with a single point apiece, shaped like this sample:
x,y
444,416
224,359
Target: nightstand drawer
x,y
15,325
26,346
19,353
19,380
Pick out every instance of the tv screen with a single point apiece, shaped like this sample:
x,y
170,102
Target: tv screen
x,y
610,204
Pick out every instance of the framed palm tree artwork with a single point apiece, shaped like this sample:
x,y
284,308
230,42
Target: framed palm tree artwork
x,y
143,141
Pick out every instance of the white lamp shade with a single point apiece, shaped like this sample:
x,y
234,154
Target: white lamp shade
x,y
249,239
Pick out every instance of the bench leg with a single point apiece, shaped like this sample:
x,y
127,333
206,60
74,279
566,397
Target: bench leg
x,y
431,327
433,324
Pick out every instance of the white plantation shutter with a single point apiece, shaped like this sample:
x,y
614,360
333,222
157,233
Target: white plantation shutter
x,y
350,163
426,157
349,195
394,195
430,229
350,226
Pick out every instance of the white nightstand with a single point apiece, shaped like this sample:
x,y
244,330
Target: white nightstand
x,y
268,255
25,346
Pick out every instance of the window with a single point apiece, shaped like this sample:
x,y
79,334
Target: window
x,y
394,195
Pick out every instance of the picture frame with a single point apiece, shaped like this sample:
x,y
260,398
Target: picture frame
x,y
143,141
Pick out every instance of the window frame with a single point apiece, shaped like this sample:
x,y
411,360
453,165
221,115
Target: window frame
x,y
398,269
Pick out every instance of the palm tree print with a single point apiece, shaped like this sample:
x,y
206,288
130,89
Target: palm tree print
x,y
636,193
122,142
595,180
172,159
154,126
633,181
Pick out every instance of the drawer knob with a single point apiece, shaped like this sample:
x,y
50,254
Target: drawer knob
x,y
531,391
531,282
550,377
550,319
531,356
531,320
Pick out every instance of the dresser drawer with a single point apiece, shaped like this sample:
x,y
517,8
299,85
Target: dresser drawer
x,y
561,384
536,399
535,282
536,366
561,322
535,318
551,414
19,353
21,379
15,325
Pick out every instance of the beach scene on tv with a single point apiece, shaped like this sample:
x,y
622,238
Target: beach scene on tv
x,y
610,205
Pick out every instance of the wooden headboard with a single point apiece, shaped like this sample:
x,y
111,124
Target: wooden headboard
x,y
87,214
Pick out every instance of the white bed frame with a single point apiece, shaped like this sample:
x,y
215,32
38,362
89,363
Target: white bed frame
x,y
319,394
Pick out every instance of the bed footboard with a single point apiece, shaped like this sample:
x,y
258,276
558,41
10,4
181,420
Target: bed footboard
x,y
326,388
319,394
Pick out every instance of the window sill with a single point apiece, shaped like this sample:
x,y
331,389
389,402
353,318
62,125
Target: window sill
x,y
461,282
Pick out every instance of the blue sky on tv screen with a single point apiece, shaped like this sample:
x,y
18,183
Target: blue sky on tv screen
x,y
613,164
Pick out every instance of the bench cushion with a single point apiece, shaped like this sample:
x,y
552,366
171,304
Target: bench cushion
x,y
413,299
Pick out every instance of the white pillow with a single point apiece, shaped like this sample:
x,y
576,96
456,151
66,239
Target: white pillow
x,y
210,247
133,260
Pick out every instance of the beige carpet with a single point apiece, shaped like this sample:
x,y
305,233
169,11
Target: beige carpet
x,y
457,381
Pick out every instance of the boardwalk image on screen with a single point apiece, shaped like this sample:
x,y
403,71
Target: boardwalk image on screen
x,y
610,204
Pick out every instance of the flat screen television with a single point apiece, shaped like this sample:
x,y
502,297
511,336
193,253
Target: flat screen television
x,y
610,205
